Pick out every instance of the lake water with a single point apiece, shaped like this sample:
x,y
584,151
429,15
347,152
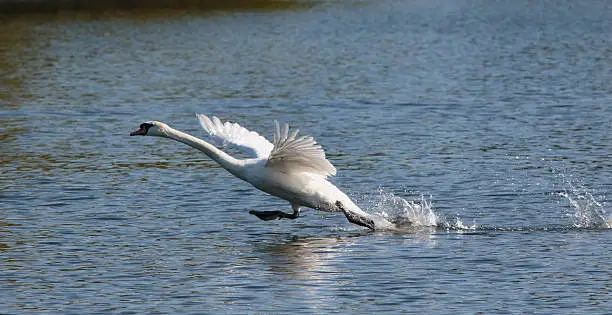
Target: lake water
x,y
487,123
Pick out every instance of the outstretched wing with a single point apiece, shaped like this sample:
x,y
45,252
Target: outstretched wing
x,y
292,153
222,134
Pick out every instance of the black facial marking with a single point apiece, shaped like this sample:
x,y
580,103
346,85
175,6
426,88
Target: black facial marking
x,y
146,126
144,129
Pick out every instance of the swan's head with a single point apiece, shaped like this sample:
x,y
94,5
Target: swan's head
x,y
152,128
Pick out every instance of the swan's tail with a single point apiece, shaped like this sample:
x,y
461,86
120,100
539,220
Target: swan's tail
x,y
362,218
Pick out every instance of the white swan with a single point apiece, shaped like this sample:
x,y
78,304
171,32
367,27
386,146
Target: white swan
x,y
292,168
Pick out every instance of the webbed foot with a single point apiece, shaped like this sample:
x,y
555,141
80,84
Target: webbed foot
x,y
356,218
273,215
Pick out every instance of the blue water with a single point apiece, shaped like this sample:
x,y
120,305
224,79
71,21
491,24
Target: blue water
x,y
487,123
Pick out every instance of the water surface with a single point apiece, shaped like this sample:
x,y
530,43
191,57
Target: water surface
x,y
489,124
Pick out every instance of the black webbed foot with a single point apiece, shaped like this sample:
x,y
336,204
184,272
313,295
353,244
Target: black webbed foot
x,y
266,215
355,218
273,215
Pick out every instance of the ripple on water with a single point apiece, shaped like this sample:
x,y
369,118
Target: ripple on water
x,y
486,124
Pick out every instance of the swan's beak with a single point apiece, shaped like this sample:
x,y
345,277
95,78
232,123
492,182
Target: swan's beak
x,y
140,132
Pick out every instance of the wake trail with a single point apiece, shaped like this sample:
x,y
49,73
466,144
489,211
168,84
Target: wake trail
x,y
410,216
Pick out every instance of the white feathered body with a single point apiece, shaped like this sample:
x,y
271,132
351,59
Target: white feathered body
x,y
300,188
293,168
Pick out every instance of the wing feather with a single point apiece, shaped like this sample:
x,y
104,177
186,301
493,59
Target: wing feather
x,y
292,153
223,134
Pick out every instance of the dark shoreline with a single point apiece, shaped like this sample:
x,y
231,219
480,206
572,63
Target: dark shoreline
x,y
54,6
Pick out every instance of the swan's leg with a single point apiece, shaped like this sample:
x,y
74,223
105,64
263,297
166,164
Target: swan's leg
x,y
296,212
273,215
356,218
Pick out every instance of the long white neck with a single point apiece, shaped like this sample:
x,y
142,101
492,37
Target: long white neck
x,y
231,164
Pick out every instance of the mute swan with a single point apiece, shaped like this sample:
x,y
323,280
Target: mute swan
x,y
292,168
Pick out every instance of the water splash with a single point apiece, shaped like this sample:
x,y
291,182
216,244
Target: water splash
x,y
587,212
396,209
411,214
460,226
